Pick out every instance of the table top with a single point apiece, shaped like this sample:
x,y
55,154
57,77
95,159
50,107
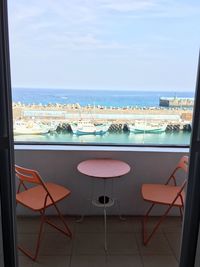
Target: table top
x,y
103,168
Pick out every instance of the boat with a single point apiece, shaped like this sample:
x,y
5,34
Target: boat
x,y
52,126
29,128
147,128
85,127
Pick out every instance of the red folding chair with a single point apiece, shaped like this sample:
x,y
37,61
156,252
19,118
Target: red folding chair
x,y
38,198
164,194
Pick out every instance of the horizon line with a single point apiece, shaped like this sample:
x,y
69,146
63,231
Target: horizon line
x,y
103,89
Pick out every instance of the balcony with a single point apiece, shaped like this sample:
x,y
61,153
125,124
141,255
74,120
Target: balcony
x,y
124,237
86,249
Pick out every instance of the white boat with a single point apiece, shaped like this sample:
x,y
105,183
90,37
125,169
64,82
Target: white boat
x,y
52,126
147,128
29,128
85,127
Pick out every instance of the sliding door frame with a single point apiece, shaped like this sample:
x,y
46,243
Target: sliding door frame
x,y
7,178
7,181
192,209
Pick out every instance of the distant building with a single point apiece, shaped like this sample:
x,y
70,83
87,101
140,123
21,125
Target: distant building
x,y
176,102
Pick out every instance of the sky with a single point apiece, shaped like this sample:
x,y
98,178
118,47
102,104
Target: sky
x,y
104,44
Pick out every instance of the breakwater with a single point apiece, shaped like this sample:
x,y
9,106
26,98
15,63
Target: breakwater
x,y
76,112
120,128
119,119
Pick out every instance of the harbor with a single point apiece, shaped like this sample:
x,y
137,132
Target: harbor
x,y
73,118
103,117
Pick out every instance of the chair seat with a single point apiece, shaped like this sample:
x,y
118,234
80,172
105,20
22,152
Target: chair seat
x,y
34,198
162,194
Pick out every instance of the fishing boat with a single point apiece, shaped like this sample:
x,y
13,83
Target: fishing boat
x,y
86,127
29,128
147,128
52,126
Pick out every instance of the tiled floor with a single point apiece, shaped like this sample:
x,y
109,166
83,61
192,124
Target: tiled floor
x,y
86,249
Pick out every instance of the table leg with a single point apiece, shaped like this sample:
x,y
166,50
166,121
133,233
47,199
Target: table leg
x,y
81,217
105,217
105,231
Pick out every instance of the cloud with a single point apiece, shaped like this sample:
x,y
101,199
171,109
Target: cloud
x,y
87,24
94,13
80,37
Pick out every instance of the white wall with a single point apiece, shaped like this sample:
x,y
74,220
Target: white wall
x,y
60,166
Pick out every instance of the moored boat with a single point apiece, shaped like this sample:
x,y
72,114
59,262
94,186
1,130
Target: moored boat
x,y
147,128
29,128
85,127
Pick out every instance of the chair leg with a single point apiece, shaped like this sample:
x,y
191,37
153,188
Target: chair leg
x,y
35,254
65,231
146,238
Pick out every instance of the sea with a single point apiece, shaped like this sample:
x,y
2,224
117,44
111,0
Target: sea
x,y
106,98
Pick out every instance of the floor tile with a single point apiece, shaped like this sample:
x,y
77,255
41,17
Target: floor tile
x,y
89,243
174,240
122,243
125,225
160,261
150,224
123,260
172,225
137,223
25,261
28,242
27,225
158,245
90,224
69,220
51,243
56,244
86,249
88,261
52,261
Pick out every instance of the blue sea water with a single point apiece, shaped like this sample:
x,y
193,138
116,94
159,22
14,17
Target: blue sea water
x,y
93,97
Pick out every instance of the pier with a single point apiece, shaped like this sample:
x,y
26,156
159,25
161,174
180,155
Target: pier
x,y
176,102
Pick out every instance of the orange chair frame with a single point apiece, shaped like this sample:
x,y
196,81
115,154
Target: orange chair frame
x,y
183,165
33,177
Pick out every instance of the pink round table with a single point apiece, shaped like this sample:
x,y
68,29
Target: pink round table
x,y
104,169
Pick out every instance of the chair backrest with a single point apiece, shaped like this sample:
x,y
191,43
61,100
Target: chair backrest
x,y
28,175
182,165
31,176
